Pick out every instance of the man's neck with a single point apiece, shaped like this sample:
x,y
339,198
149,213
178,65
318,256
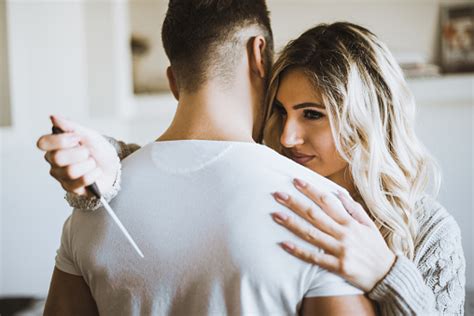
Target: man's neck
x,y
211,115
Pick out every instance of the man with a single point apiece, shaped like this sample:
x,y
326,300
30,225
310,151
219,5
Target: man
x,y
197,201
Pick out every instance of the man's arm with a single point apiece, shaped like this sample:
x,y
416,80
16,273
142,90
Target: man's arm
x,y
338,305
69,295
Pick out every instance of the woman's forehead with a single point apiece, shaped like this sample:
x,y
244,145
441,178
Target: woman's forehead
x,y
295,86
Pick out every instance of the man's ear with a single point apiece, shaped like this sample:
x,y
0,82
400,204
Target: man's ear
x,y
172,83
257,55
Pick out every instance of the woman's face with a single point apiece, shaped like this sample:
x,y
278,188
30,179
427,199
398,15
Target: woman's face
x,y
306,136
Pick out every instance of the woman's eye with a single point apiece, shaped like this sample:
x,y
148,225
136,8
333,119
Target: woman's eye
x,y
312,115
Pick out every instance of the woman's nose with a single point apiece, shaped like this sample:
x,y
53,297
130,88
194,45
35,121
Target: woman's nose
x,y
291,135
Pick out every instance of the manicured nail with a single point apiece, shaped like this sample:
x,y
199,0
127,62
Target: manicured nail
x,y
279,217
280,196
299,183
287,246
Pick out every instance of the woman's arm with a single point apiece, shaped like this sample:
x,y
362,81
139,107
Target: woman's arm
x,y
81,156
432,286
91,203
435,285
123,149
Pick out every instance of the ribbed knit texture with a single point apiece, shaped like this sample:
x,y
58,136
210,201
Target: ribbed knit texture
x,y
432,284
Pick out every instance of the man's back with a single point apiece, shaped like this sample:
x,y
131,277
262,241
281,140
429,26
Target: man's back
x,y
200,211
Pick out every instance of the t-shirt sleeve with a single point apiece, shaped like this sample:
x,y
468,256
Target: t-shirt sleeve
x,y
64,258
325,283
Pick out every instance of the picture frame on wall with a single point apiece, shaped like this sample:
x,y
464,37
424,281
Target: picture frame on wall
x,y
457,38
149,61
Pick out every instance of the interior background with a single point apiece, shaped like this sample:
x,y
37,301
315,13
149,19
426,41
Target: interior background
x,y
73,58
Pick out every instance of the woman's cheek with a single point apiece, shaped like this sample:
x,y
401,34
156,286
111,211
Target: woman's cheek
x,y
327,159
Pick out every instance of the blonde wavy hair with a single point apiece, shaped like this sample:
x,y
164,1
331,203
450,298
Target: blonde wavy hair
x,y
372,114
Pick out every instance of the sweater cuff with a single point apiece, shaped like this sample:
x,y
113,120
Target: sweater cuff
x,y
92,203
403,277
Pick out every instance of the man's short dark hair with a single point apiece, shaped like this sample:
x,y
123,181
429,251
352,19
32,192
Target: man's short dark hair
x,y
201,37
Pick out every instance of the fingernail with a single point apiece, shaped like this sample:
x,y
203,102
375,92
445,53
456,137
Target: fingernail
x,y
279,217
287,246
299,183
281,196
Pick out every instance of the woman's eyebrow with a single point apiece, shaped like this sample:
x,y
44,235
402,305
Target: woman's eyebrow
x,y
308,105
302,105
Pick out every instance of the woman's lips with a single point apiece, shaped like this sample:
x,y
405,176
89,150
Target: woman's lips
x,y
302,159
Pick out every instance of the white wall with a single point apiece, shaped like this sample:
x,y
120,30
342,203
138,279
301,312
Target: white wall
x,y
106,31
445,125
46,76
404,25
51,66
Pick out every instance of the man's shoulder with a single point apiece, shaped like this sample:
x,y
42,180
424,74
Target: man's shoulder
x,y
139,159
262,161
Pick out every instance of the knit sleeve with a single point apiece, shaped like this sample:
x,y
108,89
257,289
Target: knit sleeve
x,y
93,203
433,286
123,150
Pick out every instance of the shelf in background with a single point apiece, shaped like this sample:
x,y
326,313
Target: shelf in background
x,y
449,88
439,90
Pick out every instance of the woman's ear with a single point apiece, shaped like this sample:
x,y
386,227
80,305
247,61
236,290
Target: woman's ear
x,y
257,55
172,83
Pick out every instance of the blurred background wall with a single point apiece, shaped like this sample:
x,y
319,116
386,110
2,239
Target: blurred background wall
x,y
73,58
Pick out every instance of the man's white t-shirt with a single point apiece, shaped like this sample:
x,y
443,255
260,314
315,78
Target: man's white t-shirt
x,y
200,212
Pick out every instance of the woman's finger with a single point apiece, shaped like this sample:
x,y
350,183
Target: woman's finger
x,y
355,210
66,157
312,214
60,141
320,259
312,235
78,185
328,203
75,171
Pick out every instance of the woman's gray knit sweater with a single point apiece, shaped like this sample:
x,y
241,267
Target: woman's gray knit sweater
x,y
432,284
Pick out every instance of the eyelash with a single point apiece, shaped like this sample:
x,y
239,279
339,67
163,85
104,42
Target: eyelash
x,y
312,115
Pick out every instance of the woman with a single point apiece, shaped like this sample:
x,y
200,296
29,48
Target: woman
x,y
338,104
341,107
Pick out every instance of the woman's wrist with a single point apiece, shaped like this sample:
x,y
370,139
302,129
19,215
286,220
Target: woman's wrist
x,y
389,263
